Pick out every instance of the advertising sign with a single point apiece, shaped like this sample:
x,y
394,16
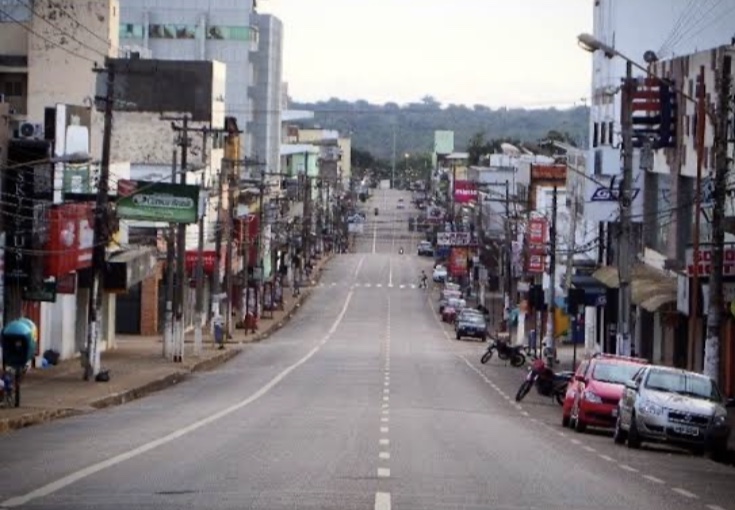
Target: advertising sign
x,y
71,239
434,214
465,192
72,126
603,199
453,239
443,142
537,228
549,173
458,262
705,261
157,201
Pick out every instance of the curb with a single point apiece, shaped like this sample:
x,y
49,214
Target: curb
x,y
47,415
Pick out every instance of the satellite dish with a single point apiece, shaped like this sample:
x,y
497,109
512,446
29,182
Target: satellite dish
x,y
650,57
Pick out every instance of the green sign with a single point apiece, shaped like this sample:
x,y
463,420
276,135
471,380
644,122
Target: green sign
x,y
158,201
46,292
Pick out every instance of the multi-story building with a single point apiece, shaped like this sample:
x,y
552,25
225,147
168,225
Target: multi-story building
x,y
190,30
267,92
663,209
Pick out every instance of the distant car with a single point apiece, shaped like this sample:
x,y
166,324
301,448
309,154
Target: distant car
x,y
440,274
470,324
425,248
400,200
670,405
594,393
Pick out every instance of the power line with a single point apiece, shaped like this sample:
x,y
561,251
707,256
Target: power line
x,y
49,41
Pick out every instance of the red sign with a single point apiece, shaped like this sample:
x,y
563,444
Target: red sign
x,y
464,192
209,259
549,173
536,263
537,228
71,238
458,262
704,261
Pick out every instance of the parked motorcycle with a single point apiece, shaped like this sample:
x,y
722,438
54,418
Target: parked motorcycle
x,y
548,383
505,352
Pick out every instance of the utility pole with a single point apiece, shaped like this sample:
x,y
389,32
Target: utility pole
x,y
180,295
219,226
199,317
695,289
722,165
508,266
626,243
550,340
168,325
100,235
393,161
233,183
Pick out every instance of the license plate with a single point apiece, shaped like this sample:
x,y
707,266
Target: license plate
x,y
686,430
615,412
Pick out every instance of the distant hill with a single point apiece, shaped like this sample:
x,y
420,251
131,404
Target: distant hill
x,y
372,125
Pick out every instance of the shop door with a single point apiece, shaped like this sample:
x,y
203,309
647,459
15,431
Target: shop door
x,y
127,318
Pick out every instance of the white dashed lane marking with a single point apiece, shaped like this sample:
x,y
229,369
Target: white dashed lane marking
x,y
384,455
626,467
383,472
684,492
653,479
382,501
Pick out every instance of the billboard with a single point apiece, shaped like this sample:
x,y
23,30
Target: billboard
x,y
458,262
602,198
71,238
443,142
194,87
537,231
465,192
157,201
453,239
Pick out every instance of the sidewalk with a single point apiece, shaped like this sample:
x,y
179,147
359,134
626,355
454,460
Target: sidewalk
x,y
136,367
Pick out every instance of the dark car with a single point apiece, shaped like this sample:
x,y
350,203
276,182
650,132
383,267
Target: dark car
x,y
471,325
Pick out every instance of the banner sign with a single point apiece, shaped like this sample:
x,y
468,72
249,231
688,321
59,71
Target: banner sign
x,y
465,192
705,261
537,229
158,201
453,239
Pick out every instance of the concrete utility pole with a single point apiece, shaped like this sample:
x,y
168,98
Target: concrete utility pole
x,y
508,266
393,160
550,340
100,235
180,298
219,227
170,267
199,318
625,246
695,288
722,166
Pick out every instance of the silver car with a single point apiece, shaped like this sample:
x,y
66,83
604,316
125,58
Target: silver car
x,y
669,405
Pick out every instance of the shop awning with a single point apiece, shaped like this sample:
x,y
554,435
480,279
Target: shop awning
x,y
129,267
650,288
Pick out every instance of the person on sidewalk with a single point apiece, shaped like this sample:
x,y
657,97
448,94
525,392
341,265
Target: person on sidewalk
x,y
218,330
296,287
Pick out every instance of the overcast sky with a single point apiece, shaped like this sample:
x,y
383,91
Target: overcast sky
x,y
492,52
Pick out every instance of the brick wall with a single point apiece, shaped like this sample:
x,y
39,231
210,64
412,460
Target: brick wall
x,y
149,303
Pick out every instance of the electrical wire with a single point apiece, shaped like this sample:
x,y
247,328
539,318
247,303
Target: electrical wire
x,y
49,41
61,30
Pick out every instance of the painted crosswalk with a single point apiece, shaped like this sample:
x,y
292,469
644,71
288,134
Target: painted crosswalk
x,y
367,285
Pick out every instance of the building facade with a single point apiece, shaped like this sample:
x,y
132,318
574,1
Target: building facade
x,y
188,30
267,92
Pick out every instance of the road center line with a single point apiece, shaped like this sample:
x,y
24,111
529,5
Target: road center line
x,y
684,492
626,467
76,476
653,479
382,501
359,266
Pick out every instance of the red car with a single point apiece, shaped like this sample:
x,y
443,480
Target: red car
x,y
592,396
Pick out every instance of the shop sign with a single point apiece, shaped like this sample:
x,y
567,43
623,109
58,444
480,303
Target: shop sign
x,y
537,228
71,239
453,239
157,201
465,192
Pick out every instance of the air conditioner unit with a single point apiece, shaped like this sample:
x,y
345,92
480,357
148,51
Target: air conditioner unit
x,y
30,130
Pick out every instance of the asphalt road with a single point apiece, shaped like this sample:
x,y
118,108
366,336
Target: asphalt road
x,y
362,402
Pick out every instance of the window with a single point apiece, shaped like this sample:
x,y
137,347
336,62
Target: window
x,y
13,88
131,31
615,373
232,33
172,31
693,385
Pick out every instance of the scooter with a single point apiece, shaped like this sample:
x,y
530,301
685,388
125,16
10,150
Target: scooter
x,y
505,352
548,383
400,251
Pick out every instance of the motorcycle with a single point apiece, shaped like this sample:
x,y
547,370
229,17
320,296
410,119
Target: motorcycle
x,y
400,251
505,352
548,383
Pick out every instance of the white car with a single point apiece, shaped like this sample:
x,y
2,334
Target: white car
x,y
440,274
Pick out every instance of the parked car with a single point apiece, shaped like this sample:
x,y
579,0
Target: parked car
x,y
425,248
470,324
453,307
670,405
447,295
593,394
440,274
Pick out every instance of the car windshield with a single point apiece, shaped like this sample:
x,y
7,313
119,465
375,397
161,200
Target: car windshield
x,y
472,318
615,373
691,385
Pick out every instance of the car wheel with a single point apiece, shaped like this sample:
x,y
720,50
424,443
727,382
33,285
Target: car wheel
x,y
634,438
619,436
